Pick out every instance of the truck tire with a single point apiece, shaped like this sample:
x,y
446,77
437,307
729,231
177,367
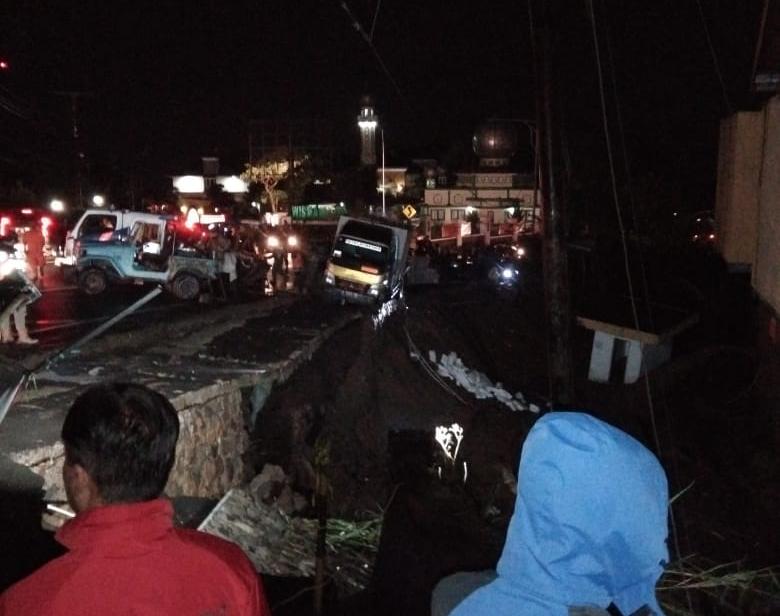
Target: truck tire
x,y
186,286
93,281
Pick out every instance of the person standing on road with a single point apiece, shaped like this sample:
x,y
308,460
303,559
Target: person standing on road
x,y
124,556
16,293
34,244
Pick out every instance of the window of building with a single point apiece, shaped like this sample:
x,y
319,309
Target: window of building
x,y
458,215
437,214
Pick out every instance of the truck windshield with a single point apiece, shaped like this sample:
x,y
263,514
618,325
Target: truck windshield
x,y
360,244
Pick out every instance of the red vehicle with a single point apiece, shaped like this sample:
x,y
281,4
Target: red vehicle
x,y
17,219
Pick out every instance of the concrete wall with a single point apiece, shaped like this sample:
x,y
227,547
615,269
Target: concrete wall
x,y
766,270
739,173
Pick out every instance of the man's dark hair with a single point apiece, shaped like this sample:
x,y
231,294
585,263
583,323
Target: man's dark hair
x,y
124,436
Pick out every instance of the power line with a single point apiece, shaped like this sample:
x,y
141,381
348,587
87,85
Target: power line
x,y
715,62
368,39
629,279
376,14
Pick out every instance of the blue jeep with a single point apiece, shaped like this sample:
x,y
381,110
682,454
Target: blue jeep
x,y
149,251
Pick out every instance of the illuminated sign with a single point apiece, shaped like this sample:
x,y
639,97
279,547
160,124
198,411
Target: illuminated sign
x,y
233,184
189,184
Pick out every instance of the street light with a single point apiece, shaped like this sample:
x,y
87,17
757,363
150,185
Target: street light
x,y
384,184
57,205
98,200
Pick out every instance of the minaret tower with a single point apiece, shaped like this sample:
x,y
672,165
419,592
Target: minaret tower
x,y
367,122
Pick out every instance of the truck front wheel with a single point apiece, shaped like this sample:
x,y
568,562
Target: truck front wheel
x,y
93,281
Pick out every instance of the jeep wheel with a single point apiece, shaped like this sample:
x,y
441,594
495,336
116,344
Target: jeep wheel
x,y
93,281
186,286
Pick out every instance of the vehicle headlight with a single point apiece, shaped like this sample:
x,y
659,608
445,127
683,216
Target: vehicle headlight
x,y
273,241
292,241
329,277
507,273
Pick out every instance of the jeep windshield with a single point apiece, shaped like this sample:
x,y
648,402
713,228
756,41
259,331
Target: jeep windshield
x,y
359,245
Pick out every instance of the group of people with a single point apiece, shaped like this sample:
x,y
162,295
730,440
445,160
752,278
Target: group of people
x,y
21,287
587,537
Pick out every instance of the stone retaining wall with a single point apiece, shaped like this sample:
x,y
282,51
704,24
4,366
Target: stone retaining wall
x,y
213,412
212,445
213,441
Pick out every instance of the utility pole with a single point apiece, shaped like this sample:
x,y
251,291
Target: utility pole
x,y
80,156
556,283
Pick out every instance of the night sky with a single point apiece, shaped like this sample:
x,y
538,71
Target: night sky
x,y
166,82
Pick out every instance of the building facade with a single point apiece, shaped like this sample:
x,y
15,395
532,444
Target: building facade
x,y
500,203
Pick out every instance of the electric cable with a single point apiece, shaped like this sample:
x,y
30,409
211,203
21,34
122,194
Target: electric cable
x,y
622,229
376,15
632,207
715,62
368,39
430,371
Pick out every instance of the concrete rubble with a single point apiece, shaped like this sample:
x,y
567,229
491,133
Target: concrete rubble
x,y
451,366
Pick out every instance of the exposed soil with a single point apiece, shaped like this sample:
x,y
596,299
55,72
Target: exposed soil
x,y
369,398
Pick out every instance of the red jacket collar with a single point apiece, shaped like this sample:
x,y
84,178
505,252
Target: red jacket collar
x,y
120,530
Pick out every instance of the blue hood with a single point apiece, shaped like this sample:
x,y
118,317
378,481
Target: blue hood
x,y
589,526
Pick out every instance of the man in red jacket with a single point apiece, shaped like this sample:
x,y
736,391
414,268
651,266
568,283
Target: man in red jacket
x,y
124,554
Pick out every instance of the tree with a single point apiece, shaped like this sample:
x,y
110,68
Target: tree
x,y
271,170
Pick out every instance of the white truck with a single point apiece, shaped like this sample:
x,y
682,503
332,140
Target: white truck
x,y
367,263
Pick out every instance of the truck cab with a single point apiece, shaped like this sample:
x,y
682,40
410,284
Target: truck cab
x,y
367,262
99,224
150,249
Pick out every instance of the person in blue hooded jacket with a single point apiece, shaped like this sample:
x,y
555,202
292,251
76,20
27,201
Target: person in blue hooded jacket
x,y
588,531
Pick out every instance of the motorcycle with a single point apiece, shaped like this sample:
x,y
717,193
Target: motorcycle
x,y
506,276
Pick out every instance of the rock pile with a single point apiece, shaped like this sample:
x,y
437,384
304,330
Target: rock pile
x,y
450,366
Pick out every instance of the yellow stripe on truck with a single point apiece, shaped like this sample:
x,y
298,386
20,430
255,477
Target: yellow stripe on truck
x,y
353,275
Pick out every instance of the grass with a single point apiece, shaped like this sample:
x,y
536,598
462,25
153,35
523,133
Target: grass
x,y
692,586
